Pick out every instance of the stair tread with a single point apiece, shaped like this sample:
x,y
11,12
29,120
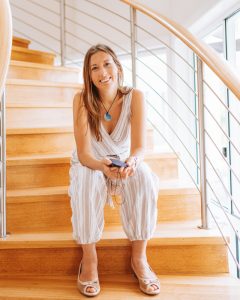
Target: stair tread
x,y
43,66
59,190
214,287
37,104
20,39
54,157
39,159
27,82
47,129
34,130
188,234
32,51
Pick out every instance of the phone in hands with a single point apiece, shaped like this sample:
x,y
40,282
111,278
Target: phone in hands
x,y
118,163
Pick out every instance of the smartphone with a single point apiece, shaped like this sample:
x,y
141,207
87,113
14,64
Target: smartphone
x,y
118,163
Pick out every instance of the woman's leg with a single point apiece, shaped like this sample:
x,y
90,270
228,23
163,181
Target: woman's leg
x,y
139,217
87,192
89,265
139,261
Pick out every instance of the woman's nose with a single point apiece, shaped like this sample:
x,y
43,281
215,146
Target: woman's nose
x,y
103,72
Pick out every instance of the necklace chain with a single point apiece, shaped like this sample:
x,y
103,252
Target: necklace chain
x,y
107,110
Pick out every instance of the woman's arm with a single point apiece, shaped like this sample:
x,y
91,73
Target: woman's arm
x,y
138,133
138,124
82,135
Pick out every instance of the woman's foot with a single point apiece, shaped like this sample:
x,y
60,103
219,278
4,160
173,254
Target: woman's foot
x,y
89,273
148,280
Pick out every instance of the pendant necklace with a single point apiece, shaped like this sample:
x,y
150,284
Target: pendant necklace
x,y
107,116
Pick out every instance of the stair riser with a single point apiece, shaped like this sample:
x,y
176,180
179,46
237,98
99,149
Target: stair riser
x,y
55,212
46,143
19,72
32,57
46,175
167,167
37,176
23,144
37,117
167,259
41,94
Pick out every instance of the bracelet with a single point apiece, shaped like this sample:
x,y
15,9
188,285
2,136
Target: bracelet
x,y
136,160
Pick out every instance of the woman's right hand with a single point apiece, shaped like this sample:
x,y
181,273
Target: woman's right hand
x,y
110,172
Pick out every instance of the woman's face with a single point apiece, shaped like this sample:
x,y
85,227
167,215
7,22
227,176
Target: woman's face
x,y
103,70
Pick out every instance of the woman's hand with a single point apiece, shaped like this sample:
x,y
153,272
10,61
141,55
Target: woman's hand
x,y
130,169
110,172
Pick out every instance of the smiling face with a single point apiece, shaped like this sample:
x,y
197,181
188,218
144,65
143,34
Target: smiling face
x,y
103,70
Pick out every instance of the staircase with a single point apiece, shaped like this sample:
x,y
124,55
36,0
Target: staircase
x,y
39,259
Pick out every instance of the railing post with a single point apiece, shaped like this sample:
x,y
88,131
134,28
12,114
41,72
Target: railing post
x,y
3,170
133,44
202,149
62,33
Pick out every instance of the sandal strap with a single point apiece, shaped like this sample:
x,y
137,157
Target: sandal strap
x,y
91,282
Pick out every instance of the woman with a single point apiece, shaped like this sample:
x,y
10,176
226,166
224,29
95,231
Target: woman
x,y
109,120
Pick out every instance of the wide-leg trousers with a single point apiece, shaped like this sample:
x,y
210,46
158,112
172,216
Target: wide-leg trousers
x,y
88,193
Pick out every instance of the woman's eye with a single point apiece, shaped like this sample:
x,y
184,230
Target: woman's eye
x,y
94,68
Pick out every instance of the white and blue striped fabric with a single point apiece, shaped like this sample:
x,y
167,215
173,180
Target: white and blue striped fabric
x,y
88,188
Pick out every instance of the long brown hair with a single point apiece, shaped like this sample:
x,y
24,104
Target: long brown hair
x,y
90,92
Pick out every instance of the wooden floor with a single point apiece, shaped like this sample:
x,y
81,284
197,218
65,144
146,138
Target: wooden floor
x,y
121,287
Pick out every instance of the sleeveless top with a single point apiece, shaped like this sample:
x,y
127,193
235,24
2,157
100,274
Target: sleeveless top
x,y
118,141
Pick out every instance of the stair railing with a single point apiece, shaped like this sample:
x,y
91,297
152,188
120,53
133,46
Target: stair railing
x,y
5,42
181,77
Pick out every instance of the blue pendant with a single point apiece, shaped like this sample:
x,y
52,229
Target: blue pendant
x,y
107,117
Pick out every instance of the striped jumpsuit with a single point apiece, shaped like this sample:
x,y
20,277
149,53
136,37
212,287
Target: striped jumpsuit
x,y
88,188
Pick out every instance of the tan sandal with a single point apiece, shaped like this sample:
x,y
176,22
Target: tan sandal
x,y
146,283
84,285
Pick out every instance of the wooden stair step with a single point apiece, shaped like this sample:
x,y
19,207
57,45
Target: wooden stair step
x,y
20,42
120,287
35,71
190,250
28,91
25,54
38,209
39,170
50,116
52,139
165,166
27,141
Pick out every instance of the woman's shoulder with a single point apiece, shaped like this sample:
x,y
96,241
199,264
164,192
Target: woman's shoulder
x,y
137,93
78,100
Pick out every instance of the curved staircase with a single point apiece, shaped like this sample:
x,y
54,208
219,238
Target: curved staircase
x,y
39,259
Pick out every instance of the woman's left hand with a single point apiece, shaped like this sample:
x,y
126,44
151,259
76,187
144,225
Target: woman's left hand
x,y
129,170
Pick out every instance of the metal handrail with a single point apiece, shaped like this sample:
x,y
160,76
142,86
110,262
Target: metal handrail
x,y
219,126
174,151
165,44
225,106
106,9
98,19
223,185
6,45
165,121
174,111
33,14
171,88
224,158
36,28
224,210
168,66
44,7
